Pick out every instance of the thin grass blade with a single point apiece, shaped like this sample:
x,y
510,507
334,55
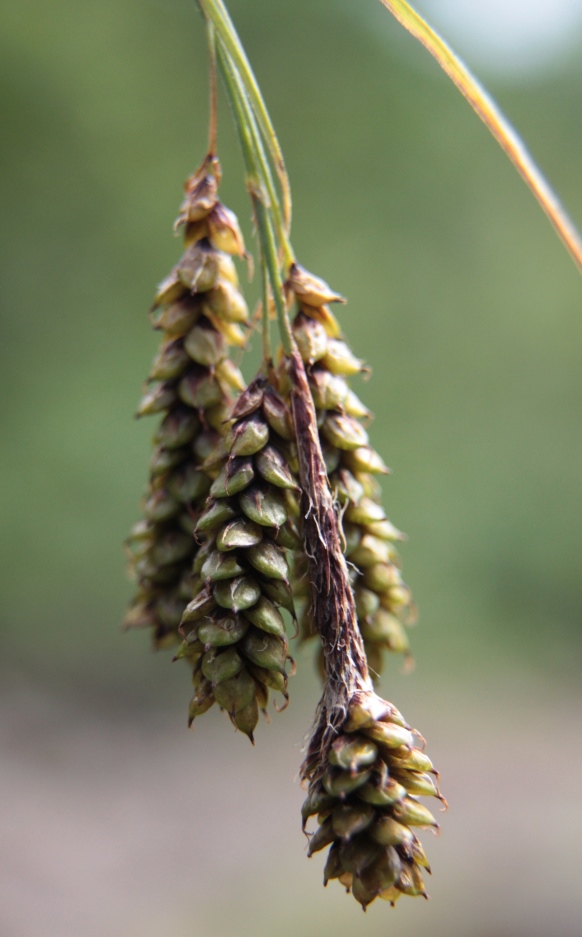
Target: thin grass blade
x,y
486,108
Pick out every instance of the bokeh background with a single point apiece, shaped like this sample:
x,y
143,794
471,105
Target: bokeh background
x,y
115,819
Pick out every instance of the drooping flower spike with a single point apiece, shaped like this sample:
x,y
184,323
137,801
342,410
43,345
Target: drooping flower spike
x,y
200,312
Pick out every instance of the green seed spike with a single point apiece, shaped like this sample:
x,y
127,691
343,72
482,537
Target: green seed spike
x,y
199,607
382,795
418,855
171,548
246,718
178,318
328,390
169,290
169,363
249,435
311,338
367,602
227,302
199,560
205,345
309,289
239,534
220,665
237,594
365,459
352,754
250,400
339,359
422,785
358,853
226,371
344,432
163,460
350,819
389,735
277,414
382,576
387,631
333,866
367,512
264,506
346,488
222,632
369,551
411,882
265,650
323,836
353,406
224,231
200,390
384,529
273,467
382,873
316,802
261,695
288,537
234,477
160,506
201,702
388,832
188,484
220,566
268,559
361,893
342,783
270,678
215,514
233,695
198,268
412,813
156,400
414,760
280,593
267,617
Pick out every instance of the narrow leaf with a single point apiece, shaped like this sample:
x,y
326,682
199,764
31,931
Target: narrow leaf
x,y
486,108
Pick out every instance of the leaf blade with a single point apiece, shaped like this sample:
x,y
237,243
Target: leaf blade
x,y
494,119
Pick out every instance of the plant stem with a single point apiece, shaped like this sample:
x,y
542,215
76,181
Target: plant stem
x,y
218,14
213,121
261,160
259,198
267,352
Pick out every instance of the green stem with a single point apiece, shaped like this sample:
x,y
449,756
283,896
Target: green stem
x,y
269,246
213,121
217,12
262,162
259,198
267,351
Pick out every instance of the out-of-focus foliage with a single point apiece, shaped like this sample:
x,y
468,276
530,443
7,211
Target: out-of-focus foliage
x,y
461,299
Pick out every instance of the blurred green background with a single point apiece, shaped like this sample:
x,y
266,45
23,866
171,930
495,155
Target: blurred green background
x,y
117,820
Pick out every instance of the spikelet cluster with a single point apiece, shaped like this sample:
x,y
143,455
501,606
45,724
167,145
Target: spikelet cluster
x,y
234,630
366,803
200,312
383,601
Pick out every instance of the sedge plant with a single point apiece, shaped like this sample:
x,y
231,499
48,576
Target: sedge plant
x,y
263,505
